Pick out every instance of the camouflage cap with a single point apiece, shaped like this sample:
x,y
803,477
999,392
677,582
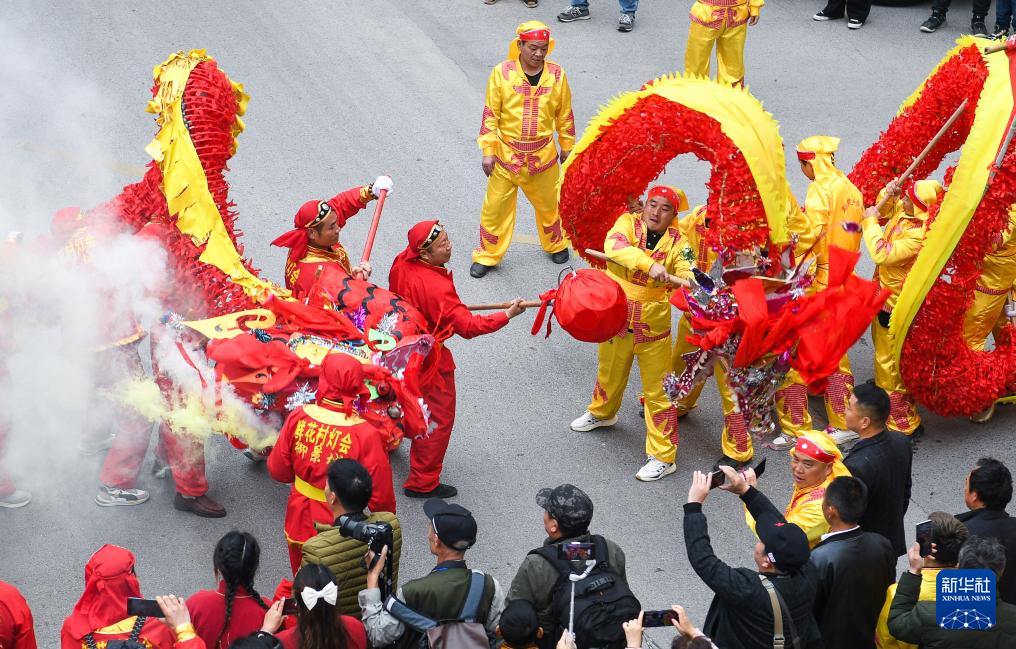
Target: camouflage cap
x,y
569,505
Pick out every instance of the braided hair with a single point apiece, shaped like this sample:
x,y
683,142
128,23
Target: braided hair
x,y
236,559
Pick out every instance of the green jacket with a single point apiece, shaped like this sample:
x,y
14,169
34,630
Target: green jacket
x,y
916,622
344,556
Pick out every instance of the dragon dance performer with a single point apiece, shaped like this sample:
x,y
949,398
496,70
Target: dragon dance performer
x,y
725,24
642,251
998,275
736,442
316,434
419,275
894,251
528,99
833,209
314,240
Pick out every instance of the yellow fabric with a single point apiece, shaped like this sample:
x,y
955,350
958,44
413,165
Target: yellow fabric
x,y
805,511
903,415
183,179
310,491
513,47
742,119
729,42
792,405
884,639
977,157
827,444
693,227
497,217
993,289
929,191
894,250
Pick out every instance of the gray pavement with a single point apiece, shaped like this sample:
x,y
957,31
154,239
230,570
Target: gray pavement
x,y
342,92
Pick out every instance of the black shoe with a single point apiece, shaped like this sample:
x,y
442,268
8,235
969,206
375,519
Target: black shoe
x,y
478,270
931,25
202,506
999,33
571,14
823,16
854,23
978,28
440,491
560,257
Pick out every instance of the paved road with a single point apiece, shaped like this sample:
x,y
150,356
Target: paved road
x,y
340,93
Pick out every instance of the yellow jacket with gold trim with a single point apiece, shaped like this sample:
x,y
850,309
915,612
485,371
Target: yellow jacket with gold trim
x,y
999,270
893,250
831,202
693,228
519,120
719,13
629,264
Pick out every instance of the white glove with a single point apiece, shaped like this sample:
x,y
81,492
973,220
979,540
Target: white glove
x,y
382,182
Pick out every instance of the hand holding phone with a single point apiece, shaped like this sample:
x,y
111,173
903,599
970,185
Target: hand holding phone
x,y
143,607
923,536
658,618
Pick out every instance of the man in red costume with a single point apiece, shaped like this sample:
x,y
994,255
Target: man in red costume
x,y
17,631
313,436
314,240
419,275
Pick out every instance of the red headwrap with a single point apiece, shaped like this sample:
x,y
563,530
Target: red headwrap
x,y
420,236
342,379
535,35
308,216
676,197
811,449
66,221
805,155
109,581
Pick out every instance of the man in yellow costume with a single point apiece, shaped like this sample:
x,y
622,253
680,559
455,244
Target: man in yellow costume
x,y
528,99
736,442
833,209
894,251
643,251
725,23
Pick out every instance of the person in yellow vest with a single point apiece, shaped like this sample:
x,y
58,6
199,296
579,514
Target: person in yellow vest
x,y
833,209
643,251
815,461
736,442
528,99
894,251
725,24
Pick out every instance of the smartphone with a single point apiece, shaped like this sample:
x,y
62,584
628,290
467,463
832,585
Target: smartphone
x,y
760,468
658,618
143,607
289,606
576,551
923,537
716,478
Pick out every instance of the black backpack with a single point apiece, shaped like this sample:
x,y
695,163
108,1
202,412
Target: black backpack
x,y
603,601
132,642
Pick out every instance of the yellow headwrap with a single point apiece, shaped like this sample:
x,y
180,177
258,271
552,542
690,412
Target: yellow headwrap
x,y
925,194
826,446
819,150
528,26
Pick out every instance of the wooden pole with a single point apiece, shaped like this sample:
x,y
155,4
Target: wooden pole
x,y
373,225
1001,47
673,279
924,154
501,305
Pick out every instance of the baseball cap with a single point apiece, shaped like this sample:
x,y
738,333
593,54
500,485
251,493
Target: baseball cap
x,y
453,524
785,543
569,505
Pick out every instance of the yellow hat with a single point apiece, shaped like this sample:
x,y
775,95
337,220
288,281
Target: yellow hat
x,y
531,30
809,147
925,194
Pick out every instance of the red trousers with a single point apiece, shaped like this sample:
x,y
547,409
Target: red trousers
x,y
133,432
426,455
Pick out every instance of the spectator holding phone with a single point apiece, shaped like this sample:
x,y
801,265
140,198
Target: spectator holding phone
x,y
988,492
689,636
750,607
234,609
319,625
948,535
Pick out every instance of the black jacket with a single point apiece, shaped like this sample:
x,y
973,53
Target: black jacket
x,y
999,525
741,615
854,569
883,463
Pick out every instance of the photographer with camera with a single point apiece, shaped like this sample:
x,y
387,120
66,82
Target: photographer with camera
x,y
443,595
547,574
754,609
342,545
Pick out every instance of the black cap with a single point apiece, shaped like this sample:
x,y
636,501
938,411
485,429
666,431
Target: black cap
x,y
785,543
569,505
519,624
453,524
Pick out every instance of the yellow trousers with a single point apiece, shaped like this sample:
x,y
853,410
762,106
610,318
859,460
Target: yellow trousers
x,y
736,442
729,52
792,400
615,360
903,415
982,317
497,218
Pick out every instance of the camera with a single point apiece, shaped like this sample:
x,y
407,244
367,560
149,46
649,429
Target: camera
x,y
375,535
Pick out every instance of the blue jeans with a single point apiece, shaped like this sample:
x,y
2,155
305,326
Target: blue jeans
x,y
1004,10
627,6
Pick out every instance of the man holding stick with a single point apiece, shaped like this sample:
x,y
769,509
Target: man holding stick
x,y
646,256
419,275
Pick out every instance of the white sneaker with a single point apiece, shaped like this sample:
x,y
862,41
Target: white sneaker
x,y
783,442
115,497
654,470
842,437
588,422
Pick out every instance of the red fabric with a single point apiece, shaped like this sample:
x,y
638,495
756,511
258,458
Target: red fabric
x,y
312,319
342,380
753,312
344,204
133,432
535,35
426,454
305,448
185,454
664,192
356,635
416,236
805,155
208,612
17,630
245,359
588,304
311,286
154,633
65,222
193,643
432,291
805,446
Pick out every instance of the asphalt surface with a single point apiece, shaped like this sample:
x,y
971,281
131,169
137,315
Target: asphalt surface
x,y
342,92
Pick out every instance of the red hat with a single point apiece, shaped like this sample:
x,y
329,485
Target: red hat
x,y
420,237
676,196
109,581
811,448
309,215
66,221
342,379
